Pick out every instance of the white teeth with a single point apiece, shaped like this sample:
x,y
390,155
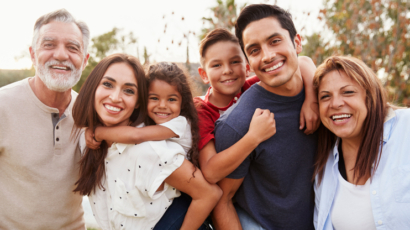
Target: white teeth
x,y
274,67
341,116
227,81
162,114
59,67
112,108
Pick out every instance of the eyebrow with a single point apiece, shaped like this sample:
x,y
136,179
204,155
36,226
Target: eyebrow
x,y
267,39
74,42
175,95
324,91
127,84
46,39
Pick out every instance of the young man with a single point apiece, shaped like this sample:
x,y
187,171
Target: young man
x,y
276,191
38,157
224,66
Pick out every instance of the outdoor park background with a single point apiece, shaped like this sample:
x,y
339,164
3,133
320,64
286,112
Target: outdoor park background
x,y
376,31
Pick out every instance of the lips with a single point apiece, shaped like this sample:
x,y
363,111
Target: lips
x,y
228,81
60,67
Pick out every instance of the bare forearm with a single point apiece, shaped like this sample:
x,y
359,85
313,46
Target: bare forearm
x,y
133,135
222,164
224,216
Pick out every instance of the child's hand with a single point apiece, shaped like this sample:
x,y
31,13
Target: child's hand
x,y
263,125
309,114
90,140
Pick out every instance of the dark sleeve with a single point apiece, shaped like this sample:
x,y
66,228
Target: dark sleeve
x,y
225,137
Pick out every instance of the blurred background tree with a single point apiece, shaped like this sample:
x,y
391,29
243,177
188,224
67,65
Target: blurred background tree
x,y
104,45
375,31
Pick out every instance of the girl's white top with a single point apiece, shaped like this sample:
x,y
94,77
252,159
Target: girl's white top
x,y
133,173
352,208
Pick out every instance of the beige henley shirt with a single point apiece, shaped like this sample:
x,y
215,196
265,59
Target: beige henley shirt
x,y
38,163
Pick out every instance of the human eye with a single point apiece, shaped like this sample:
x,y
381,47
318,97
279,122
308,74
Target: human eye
x,y
48,45
172,99
348,92
153,98
129,91
276,40
73,48
215,65
324,97
253,51
107,84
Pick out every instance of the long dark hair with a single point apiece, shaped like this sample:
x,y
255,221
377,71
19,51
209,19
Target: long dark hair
x,y
92,167
175,76
376,103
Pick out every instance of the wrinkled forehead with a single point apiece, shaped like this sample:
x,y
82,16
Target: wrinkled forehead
x,y
61,31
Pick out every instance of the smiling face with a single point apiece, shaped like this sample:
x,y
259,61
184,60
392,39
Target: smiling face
x,y
271,53
59,58
116,95
225,68
164,101
342,105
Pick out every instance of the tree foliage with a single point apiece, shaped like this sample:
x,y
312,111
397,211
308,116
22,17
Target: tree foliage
x,y
104,45
224,16
375,31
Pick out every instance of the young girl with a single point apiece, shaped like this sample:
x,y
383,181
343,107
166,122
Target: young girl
x,y
126,182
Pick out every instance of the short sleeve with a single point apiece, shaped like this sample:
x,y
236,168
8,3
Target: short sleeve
x,y
207,117
225,137
178,125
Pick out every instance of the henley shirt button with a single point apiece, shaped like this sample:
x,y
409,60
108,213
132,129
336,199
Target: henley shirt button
x,y
374,192
57,139
235,98
380,222
55,115
56,127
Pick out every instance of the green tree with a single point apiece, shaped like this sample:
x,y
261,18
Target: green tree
x,y
224,16
375,31
104,45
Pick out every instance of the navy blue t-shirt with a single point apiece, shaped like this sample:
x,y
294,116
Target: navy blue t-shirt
x,y
277,190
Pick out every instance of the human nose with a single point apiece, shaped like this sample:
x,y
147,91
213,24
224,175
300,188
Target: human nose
x,y
60,53
337,102
268,54
115,96
227,70
162,104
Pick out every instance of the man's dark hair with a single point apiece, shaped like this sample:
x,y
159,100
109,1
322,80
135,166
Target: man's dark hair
x,y
256,12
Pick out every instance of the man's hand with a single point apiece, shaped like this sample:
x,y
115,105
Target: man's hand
x,y
90,140
309,115
263,125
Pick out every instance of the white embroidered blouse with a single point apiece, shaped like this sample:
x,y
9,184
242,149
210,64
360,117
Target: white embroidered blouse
x,y
133,173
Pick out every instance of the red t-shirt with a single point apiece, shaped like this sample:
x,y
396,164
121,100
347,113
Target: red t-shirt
x,y
209,113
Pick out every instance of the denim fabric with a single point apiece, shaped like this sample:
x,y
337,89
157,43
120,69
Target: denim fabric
x,y
247,222
174,216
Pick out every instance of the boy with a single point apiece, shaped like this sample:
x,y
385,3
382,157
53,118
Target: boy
x,y
224,66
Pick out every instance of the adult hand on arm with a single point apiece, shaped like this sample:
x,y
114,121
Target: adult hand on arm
x,y
309,114
133,135
90,140
224,216
217,166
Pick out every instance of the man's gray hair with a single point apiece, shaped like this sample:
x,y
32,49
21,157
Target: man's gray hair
x,y
61,15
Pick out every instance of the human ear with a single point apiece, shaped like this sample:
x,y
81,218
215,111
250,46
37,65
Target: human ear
x,y
248,70
298,43
203,75
32,55
85,60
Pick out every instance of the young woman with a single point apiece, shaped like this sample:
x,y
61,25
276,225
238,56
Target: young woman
x,y
363,162
126,182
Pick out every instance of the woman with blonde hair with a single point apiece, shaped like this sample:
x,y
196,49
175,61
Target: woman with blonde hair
x,y
362,169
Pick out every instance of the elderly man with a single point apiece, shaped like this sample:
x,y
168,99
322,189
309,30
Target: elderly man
x,y
38,157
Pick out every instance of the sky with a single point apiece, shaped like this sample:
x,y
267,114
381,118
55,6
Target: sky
x,y
145,18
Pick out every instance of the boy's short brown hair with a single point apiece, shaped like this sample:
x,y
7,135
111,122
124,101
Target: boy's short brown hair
x,y
216,35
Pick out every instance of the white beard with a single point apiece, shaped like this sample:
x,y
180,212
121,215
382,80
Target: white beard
x,y
58,82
